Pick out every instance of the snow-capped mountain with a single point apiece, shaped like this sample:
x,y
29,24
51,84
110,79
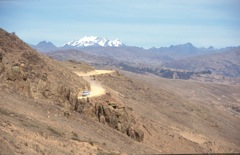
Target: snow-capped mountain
x,y
94,41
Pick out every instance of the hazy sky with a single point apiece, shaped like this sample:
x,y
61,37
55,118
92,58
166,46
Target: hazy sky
x,y
144,23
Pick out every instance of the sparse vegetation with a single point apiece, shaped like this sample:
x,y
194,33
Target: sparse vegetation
x,y
4,111
54,131
91,142
75,137
30,124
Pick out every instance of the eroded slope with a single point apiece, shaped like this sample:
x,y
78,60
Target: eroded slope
x,y
181,116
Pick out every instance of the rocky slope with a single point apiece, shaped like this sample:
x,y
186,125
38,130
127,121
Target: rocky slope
x,y
139,114
181,116
113,113
39,127
38,87
28,73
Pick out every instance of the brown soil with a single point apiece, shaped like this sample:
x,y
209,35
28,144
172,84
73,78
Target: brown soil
x,y
38,104
181,116
139,114
40,127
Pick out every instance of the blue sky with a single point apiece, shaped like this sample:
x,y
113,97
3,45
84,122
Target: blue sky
x,y
144,23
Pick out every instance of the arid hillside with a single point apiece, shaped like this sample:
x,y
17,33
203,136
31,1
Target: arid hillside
x,y
42,110
28,73
181,116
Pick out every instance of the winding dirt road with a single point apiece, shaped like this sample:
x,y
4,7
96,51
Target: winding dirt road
x,y
95,72
96,88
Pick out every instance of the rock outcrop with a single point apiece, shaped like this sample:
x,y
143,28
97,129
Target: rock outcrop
x,y
1,64
107,111
26,72
118,118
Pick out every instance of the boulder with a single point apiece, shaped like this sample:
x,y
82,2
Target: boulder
x,y
135,133
118,118
14,73
26,72
80,105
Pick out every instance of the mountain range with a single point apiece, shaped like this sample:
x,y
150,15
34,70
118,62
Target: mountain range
x,y
115,49
93,41
102,51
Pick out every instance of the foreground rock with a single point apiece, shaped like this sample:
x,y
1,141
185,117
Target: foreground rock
x,y
107,111
26,72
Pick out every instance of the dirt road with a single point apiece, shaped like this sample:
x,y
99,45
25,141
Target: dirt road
x,y
96,88
96,72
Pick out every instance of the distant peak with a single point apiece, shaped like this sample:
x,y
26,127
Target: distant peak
x,y
189,44
44,42
210,47
45,46
186,45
